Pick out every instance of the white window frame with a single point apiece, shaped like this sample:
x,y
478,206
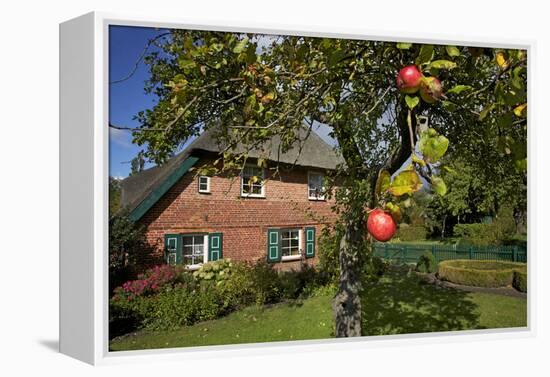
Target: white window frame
x,y
252,195
195,266
318,197
207,191
286,258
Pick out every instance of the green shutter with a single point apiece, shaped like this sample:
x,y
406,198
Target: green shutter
x,y
310,242
215,246
273,245
172,248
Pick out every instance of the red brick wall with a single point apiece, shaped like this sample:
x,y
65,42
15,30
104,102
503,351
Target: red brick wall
x,y
243,221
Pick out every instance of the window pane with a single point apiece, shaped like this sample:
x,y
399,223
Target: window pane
x,y
193,249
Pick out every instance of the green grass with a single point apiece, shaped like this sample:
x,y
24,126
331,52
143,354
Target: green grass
x,y
310,319
397,304
401,304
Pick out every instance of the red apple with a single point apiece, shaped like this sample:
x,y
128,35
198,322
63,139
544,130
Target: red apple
x,y
381,225
408,79
431,89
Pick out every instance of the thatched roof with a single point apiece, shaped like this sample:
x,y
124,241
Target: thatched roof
x,y
309,151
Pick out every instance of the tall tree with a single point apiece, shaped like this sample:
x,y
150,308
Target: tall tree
x,y
250,87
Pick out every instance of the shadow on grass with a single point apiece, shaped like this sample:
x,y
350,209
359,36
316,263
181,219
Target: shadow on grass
x,y
401,303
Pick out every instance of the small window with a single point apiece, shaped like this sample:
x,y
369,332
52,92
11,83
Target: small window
x,y
193,250
315,189
204,184
252,181
290,242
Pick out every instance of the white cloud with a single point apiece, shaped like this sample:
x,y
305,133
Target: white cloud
x,y
121,137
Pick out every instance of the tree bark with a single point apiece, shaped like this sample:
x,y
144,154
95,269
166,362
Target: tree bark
x,y
347,302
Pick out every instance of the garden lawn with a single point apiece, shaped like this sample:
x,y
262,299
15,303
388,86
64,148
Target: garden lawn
x,y
399,303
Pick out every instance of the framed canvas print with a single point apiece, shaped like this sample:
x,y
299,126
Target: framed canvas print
x,y
229,186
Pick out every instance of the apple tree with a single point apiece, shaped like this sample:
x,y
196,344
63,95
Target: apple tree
x,y
394,109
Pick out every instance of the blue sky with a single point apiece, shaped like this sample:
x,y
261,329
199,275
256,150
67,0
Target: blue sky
x,y
127,98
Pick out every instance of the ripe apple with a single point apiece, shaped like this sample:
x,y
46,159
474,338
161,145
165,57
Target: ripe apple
x,y
431,89
381,225
408,79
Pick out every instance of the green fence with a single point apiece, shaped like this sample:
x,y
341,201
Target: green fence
x,y
409,253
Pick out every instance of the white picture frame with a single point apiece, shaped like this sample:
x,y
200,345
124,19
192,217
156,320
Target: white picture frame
x,y
84,194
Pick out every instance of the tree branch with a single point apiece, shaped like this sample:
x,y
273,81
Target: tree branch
x,y
140,58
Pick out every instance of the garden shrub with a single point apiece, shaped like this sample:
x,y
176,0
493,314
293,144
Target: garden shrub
x,y
426,263
408,233
520,281
298,283
266,283
491,274
154,280
328,255
168,297
217,271
180,306
127,246
475,234
375,269
497,232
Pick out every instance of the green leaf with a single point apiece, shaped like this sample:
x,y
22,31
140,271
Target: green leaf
x,y
483,114
405,182
521,165
449,106
425,55
403,45
439,186
452,51
442,64
412,101
505,120
457,89
383,182
395,211
418,160
240,46
432,145
186,64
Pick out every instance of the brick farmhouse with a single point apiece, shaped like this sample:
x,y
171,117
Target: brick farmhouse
x,y
191,219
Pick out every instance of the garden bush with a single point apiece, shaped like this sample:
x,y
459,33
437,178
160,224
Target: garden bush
x,y
375,269
217,271
497,232
491,274
408,233
520,281
168,297
475,234
328,255
426,263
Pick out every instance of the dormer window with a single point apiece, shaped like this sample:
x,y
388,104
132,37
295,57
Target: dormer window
x,y
204,184
315,188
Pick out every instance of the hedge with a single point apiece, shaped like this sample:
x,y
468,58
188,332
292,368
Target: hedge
x,y
490,274
426,263
520,281
411,233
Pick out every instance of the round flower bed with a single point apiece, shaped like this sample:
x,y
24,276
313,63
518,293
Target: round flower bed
x,y
490,274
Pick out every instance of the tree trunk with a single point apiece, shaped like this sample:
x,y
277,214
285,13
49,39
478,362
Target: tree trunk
x,y
347,302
